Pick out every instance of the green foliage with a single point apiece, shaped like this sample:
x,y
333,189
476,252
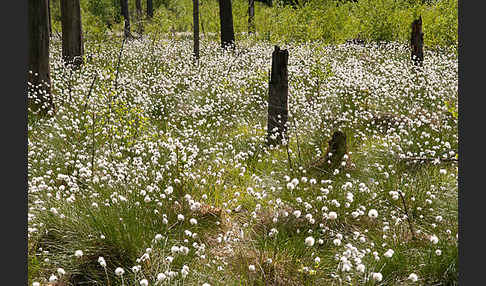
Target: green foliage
x,y
328,21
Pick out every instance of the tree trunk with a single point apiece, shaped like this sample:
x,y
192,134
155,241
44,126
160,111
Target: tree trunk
x,y
38,76
126,16
417,42
251,16
278,97
72,33
226,21
195,17
138,5
150,9
49,13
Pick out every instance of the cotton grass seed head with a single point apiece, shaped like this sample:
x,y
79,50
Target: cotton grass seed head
x,y
389,253
377,276
413,277
332,215
102,261
309,241
373,213
78,253
119,271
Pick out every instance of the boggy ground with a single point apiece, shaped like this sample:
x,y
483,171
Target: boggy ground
x,y
161,168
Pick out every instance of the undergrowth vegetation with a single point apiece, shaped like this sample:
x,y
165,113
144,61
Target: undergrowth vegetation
x,y
157,172
328,21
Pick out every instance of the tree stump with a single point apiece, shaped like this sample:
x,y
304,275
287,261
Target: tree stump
x,y
335,152
39,75
278,97
251,16
226,21
417,42
72,33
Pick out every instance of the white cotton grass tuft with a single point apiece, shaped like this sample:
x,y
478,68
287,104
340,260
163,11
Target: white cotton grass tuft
x,y
53,278
309,241
434,239
119,271
332,215
102,261
413,277
389,253
61,271
377,276
78,253
373,213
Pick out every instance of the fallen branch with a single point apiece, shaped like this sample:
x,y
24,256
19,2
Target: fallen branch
x,y
425,159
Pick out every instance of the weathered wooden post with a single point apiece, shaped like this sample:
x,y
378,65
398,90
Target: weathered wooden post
x,y
251,16
72,33
278,97
417,42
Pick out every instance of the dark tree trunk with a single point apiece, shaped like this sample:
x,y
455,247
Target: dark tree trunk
x,y
38,76
195,17
138,5
126,16
226,21
417,42
72,33
150,9
278,97
49,13
251,16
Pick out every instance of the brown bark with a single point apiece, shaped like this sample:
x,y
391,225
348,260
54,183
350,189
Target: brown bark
x,y
72,33
138,5
38,77
195,17
417,42
251,16
226,22
49,13
126,16
278,97
150,9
